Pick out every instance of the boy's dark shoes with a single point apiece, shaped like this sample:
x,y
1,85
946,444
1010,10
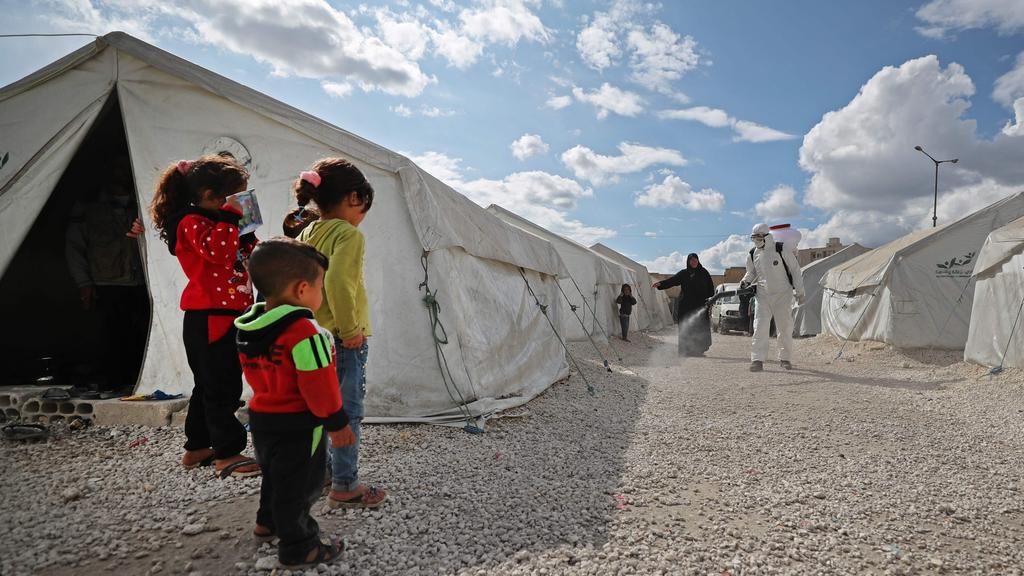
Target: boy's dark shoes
x,y
324,553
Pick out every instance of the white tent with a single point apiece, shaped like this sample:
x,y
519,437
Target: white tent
x,y
590,284
916,291
996,336
501,350
807,318
653,312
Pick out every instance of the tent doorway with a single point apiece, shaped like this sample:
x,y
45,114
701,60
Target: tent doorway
x,y
74,297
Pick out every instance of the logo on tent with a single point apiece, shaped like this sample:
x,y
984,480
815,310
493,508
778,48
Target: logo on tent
x,y
955,267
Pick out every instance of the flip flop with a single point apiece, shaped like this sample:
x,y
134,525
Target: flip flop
x,y
372,497
26,432
56,394
233,469
208,461
261,538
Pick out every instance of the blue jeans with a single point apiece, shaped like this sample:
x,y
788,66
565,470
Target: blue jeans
x,y
343,463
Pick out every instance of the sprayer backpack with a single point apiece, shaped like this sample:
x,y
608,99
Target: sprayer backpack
x,y
778,250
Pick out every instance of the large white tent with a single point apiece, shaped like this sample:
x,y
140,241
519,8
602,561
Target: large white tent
x,y
501,350
916,291
807,318
996,335
590,283
653,312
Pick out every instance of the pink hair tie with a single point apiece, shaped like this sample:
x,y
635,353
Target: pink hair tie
x,y
184,166
311,177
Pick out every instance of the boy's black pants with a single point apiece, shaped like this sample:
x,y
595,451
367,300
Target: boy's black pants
x,y
211,420
293,463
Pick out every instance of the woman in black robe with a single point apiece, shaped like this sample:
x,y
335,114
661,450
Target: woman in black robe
x,y
693,323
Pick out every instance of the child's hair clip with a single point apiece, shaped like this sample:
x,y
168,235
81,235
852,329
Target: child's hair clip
x,y
311,177
184,166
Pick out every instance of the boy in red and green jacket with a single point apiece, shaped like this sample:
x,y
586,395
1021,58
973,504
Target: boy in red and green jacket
x,y
288,361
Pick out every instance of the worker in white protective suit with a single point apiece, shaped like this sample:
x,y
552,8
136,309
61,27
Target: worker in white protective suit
x,y
775,271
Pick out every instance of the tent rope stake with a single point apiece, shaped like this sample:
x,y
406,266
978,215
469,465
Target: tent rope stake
x,y
1013,330
593,314
440,337
584,327
544,311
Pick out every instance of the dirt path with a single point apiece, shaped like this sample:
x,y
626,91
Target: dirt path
x,y
876,463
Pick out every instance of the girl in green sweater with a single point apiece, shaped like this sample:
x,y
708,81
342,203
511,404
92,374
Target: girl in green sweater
x,y
343,197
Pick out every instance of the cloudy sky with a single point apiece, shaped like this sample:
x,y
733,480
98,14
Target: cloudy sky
x,y
656,128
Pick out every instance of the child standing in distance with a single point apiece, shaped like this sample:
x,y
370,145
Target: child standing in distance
x,y
200,226
289,363
626,303
343,197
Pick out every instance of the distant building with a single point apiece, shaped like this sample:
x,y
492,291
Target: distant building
x,y
808,255
733,274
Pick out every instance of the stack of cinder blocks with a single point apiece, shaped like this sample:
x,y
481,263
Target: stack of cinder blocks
x,y
26,404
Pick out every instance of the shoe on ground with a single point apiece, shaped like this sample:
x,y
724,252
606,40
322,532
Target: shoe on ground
x,y
757,366
786,364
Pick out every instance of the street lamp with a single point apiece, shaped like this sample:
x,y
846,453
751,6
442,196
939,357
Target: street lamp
x,y
935,206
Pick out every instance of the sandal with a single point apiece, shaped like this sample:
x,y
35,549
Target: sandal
x,y
325,554
372,497
192,465
264,537
26,432
58,394
233,469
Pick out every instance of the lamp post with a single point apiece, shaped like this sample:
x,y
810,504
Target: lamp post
x,y
935,206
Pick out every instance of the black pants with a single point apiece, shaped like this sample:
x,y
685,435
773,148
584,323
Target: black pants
x,y
124,320
217,373
624,324
293,477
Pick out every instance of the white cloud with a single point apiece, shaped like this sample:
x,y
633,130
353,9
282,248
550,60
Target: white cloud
x,y
537,196
744,130
651,234
402,110
528,145
503,21
673,191
751,132
599,169
944,16
460,51
729,252
661,57
439,165
403,33
597,42
865,172
1009,91
337,89
527,189
306,38
779,202
558,102
435,112
608,98
713,117
1010,86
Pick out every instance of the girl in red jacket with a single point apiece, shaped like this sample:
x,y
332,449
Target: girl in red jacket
x,y
199,222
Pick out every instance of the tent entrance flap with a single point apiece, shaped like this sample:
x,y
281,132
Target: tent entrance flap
x,y
74,295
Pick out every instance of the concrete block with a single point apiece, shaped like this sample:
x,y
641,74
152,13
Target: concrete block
x,y
178,418
154,414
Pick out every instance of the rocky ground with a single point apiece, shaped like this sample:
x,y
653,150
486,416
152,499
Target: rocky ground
x,y
877,463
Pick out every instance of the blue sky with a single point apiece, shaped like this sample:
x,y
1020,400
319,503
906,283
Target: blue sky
x,y
657,129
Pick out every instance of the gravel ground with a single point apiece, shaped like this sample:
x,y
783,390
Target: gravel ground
x,y
876,463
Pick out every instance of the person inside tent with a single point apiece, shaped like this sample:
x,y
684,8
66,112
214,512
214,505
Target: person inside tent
x,y
696,287
102,252
774,270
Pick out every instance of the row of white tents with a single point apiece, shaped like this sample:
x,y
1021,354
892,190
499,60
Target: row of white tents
x,y
503,291
959,287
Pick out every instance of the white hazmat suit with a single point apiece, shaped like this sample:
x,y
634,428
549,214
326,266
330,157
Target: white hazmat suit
x,y
774,294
